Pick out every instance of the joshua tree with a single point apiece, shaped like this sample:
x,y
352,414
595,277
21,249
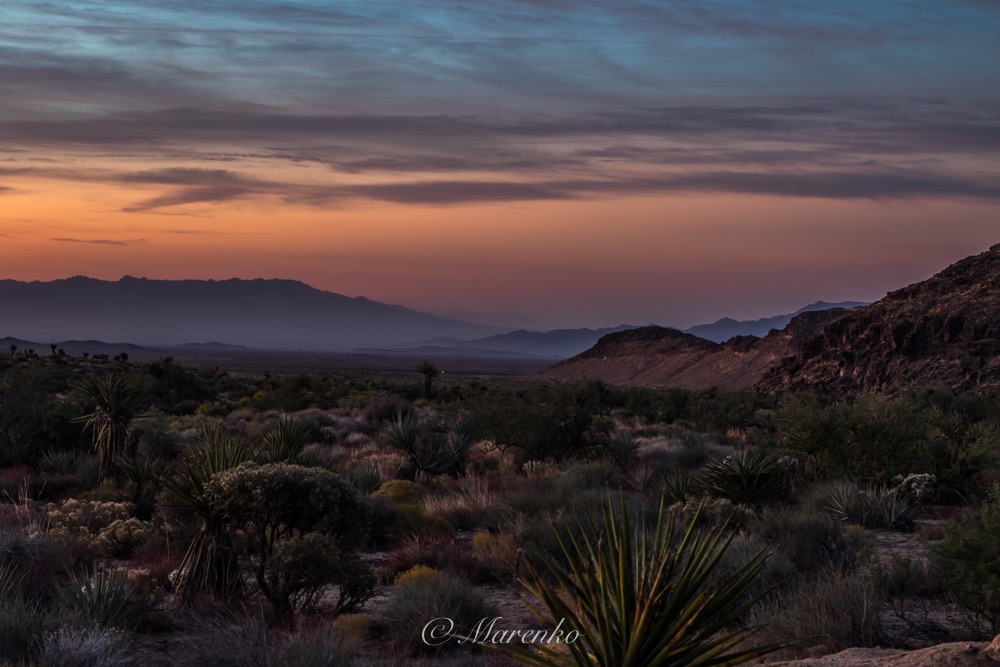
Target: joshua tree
x,y
116,404
429,371
13,350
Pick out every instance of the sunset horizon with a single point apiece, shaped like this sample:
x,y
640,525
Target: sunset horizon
x,y
525,164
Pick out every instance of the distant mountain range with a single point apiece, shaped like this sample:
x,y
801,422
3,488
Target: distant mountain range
x,y
265,314
282,315
944,331
726,328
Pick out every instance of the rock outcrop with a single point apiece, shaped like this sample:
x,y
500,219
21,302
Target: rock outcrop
x,y
944,331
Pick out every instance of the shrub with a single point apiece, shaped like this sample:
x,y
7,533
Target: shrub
x,y
276,502
969,560
649,596
498,550
121,538
810,539
302,568
418,600
402,492
834,610
84,647
710,513
437,553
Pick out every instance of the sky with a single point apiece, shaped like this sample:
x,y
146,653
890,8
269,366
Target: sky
x,y
539,163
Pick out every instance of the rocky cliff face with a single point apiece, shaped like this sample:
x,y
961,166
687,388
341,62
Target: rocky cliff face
x,y
942,331
659,357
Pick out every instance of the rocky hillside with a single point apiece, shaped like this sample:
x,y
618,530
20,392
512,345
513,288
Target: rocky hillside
x,y
942,331
659,357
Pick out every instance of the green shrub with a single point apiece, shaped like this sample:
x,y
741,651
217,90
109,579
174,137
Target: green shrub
x,y
302,568
402,492
276,502
418,600
969,560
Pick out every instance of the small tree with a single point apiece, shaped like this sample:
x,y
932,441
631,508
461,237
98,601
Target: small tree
x,y
303,526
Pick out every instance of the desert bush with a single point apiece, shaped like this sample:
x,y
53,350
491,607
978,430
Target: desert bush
x,y
499,550
78,524
778,576
671,603
402,492
417,600
465,506
710,513
752,477
969,560
121,537
84,647
587,477
436,552
810,539
833,610
302,568
276,502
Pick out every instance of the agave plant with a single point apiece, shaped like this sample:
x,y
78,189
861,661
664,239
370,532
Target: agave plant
x,y
210,562
117,404
642,598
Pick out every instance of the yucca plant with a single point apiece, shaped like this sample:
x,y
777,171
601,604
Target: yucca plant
x,y
366,478
643,597
428,453
677,487
101,598
751,477
210,562
117,403
286,439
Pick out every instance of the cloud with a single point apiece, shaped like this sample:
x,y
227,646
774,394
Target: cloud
x,y
103,242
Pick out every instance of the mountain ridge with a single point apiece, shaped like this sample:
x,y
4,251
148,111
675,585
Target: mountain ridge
x,y
264,313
